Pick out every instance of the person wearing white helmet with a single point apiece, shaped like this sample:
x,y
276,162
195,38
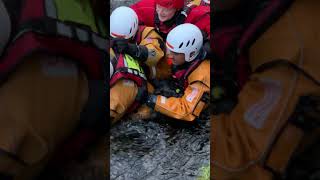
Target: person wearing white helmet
x,y
128,85
141,42
190,74
164,15
135,56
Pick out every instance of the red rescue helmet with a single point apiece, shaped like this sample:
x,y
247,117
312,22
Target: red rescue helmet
x,y
176,4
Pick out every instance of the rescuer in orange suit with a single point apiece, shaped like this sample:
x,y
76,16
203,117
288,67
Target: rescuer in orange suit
x,y
132,65
190,74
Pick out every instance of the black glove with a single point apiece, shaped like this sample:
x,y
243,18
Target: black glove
x,y
138,52
169,92
120,45
183,15
167,88
151,101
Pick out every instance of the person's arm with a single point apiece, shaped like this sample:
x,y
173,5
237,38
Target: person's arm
x,y
150,50
187,107
154,46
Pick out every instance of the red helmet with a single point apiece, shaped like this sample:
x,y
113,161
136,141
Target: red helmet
x,y
177,4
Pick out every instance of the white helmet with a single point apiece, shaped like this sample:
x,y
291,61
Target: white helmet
x,y
111,69
207,1
187,39
123,23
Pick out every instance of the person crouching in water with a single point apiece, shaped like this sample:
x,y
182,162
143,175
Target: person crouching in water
x,y
190,74
134,51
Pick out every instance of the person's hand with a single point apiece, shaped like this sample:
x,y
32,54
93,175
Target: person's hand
x,y
168,88
183,15
139,52
133,50
151,100
120,45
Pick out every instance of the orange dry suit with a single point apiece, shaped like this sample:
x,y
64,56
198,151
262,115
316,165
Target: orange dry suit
x,y
127,85
154,65
192,85
265,129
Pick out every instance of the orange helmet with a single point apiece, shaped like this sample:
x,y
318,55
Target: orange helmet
x,y
177,4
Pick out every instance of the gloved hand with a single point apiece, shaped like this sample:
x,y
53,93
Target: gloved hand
x,y
167,88
136,51
151,101
120,45
183,15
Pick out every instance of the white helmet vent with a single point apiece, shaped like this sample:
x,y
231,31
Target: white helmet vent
x,y
123,23
187,39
